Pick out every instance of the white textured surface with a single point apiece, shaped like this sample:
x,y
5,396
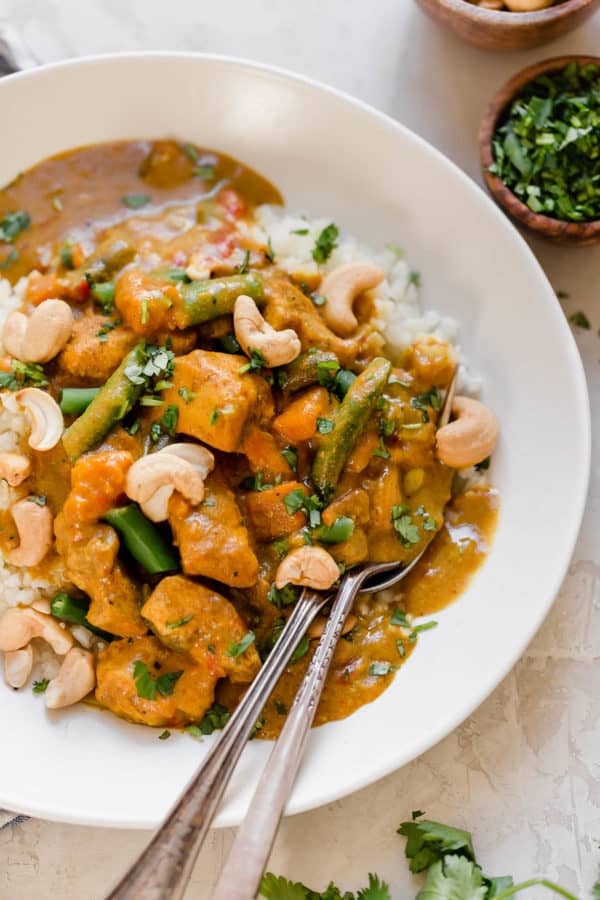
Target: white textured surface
x,y
523,772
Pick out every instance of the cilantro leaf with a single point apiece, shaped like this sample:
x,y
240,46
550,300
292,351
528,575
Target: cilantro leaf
x,y
377,890
275,887
13,224
326,243
135,201
236,648
454,878
145,684
429,841
39,687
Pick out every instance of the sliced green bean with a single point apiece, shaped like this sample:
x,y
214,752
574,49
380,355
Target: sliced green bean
x,y
68,609
311,367
111,404
74,401
348,423
202,301
142,539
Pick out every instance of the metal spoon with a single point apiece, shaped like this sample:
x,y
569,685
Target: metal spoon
x,y
243,870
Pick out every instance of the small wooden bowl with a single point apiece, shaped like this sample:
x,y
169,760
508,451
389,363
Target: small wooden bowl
x,y
556,230
508,30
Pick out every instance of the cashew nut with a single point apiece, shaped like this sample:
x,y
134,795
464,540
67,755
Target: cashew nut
x,y
41,336
76,678
14,468
202,460
47,421
318,626
151,473
527,5
307,566
17,666
341,288
34,524
471,437
20,624
253,333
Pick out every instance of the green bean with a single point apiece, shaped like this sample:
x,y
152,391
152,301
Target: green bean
x,y
70,610
142,539
74,401
348,423
111,404
343,382
202,301
308,368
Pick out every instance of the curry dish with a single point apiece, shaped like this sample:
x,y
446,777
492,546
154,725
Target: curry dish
x,y
199,432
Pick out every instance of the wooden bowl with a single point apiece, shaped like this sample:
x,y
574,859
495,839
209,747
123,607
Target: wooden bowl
x,y
556,230
508,30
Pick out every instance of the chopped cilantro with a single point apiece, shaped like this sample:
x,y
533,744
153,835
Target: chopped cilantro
x,y
425,626
269,252
326,243
341,530
65,254
243,266
147,686
381,668
180,622
399,618
325,426
135,201
291,457
214,416
164,735
414,278
405,528
318,299
104,294
236,648
40,686
381,451
102,335
22,374
302,231
301,650
580,319
38,500
280,707
294,501
257,361
188,396
9,259
206,172
215,718
12,225
284,596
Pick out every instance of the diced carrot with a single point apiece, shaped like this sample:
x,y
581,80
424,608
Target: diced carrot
x,y
264,455
268,513
298,421
42,287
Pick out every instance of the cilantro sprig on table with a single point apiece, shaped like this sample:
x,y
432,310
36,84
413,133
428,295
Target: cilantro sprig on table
x,y
446,856
547,149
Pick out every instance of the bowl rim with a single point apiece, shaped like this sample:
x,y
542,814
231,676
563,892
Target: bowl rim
x,y
508,200
507,18
579,492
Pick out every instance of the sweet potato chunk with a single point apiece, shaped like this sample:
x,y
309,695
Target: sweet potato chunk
x,y
94,350
298,421
212,538
192,692
264,455
219,402
89,548
192,618
144,301
268,513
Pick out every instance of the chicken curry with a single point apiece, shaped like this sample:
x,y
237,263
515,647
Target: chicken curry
x,y
208,433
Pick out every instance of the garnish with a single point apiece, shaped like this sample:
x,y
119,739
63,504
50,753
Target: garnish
x,y
381,451
284,596
269,252
236,648
547,147
104,293
280,707
326,243
325,426
188,396
206,172
257,361
215,718
405,528
301,650
243,266
426,626
580,319
164,735
65,254
301,231
414,277
135,201
398,617
169,420
9,259
148,687
341,530
102,335
291,457
22,374
12,225
431,398
39,500
294,501
180,622
40,686
318,299
381,668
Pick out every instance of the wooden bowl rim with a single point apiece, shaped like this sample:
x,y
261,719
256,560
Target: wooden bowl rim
x,y
507,18
515,207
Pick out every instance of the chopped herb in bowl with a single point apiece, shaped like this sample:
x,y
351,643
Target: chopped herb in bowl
x,y
546,146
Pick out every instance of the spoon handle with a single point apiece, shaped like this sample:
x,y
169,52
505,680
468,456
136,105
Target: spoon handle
x,y
243,870
163,869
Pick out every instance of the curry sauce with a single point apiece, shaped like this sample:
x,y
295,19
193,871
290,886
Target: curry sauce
x,y
192,467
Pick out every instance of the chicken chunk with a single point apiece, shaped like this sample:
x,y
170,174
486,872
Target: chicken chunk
x,y
89,548
219,402
95,348
212,538
192,618
178,700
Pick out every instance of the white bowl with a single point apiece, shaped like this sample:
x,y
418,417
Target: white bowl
x,y
334,156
